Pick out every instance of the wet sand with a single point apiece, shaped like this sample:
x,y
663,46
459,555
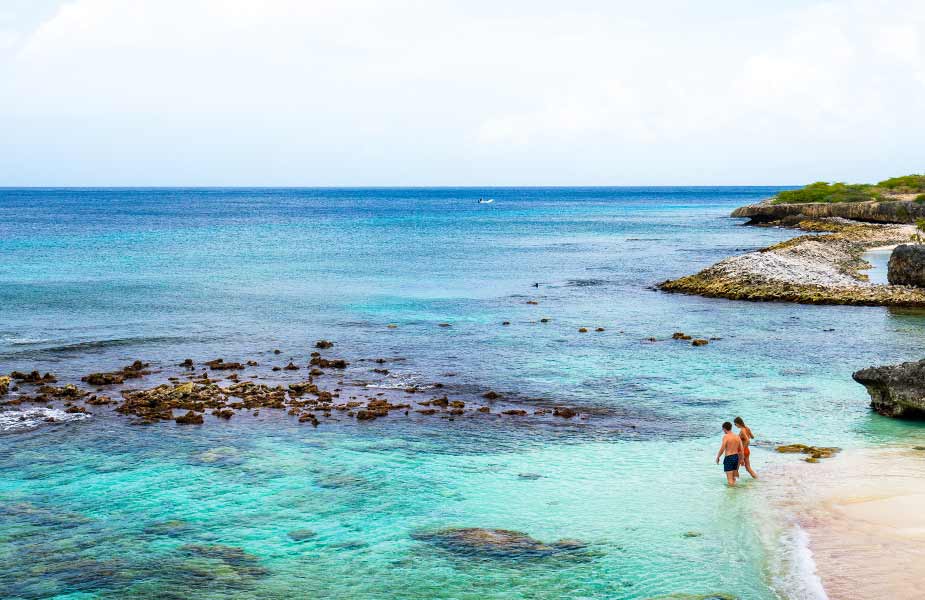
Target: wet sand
x,y
864,513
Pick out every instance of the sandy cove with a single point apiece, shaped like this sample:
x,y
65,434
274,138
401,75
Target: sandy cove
x,y
825,267
864,519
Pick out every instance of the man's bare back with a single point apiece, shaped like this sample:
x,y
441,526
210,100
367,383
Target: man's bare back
x,y
732,444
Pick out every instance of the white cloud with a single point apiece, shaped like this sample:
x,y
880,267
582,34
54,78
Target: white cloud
x,y
401,92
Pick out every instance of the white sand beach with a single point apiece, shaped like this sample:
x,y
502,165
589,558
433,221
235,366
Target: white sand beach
x,y
864,513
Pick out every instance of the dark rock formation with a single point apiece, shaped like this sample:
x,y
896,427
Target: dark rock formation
x,y
895,390
133,371
323,344
33,377
324,363
219,364
190,418
899,211
907,265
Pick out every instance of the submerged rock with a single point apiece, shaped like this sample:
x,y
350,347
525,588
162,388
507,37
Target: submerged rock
x,y
233,556
895,390
170,528
220,455
715,596
323,344
300,535
498,543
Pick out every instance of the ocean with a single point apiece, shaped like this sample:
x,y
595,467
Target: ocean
x,y
265,507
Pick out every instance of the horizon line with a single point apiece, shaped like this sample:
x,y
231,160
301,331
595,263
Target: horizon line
x,y
372,187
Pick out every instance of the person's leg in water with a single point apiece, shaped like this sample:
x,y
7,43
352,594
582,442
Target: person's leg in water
x,y
748,464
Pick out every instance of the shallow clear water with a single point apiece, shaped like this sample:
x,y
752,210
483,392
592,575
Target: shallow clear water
x,y
879,259
92,279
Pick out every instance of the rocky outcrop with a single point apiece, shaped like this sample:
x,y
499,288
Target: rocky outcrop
x,y
133,371
815,452
810,269
907,265
896,211
895,390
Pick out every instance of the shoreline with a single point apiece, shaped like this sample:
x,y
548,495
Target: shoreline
x,y
821,268
862,521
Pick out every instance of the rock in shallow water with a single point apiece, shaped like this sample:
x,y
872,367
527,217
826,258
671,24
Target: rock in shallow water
x,y
895,390
300,535
499,543
907,265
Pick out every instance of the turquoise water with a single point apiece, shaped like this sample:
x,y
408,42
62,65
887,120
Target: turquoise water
x,y
98,508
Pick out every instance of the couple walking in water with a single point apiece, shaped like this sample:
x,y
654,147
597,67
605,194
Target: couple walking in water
x,y
735,447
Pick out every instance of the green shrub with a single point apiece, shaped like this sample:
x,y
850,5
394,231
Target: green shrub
x,y
822,191
907,184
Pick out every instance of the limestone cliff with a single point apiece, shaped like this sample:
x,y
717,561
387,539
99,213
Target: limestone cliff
x,y
895,390
891,211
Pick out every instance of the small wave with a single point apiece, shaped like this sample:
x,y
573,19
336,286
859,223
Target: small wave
x,y
25,341
99,344
398,381
585,282
88,346
22,420
801,579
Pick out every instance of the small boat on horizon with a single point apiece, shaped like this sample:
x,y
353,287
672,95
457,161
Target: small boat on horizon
x,y
486,201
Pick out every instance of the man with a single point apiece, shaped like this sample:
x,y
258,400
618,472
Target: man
x,y
731,446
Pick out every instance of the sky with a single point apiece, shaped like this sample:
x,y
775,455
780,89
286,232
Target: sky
x,y
440,92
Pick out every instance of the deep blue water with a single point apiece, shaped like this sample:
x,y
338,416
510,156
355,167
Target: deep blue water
x,y
92,279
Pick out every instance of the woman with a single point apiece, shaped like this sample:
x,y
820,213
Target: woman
x,y
746,435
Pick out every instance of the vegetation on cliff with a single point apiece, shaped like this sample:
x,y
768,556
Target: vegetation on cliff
x,y
822,191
